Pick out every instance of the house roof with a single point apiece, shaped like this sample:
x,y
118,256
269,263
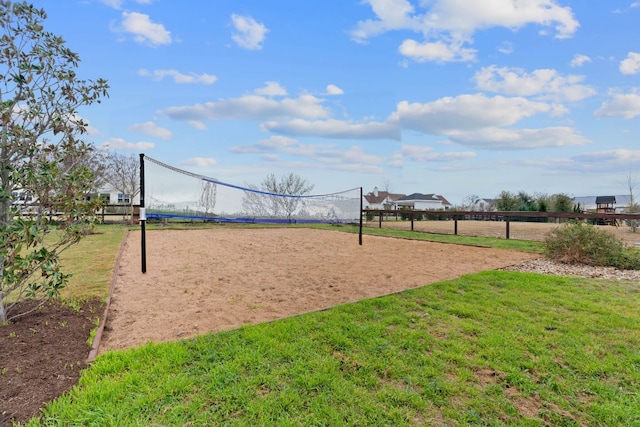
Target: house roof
x,y
424,197
605,200
418,196
444,201
382,196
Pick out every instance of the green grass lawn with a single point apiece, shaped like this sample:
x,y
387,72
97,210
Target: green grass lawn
x,y
494,348
92,262
489,242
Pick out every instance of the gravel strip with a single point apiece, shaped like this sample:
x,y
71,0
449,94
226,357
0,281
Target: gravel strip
x,y
545,266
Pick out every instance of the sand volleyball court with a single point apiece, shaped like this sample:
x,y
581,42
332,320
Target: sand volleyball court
x,y
207,280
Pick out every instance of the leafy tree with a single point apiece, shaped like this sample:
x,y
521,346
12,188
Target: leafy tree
x,y
507,201
261,204
41,156
577,208
561,203
123,175
526,202
542,205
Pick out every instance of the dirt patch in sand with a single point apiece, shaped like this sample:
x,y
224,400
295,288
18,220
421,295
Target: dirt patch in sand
x,y
207,280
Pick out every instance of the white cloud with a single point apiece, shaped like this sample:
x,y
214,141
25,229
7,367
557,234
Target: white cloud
x,y
620,156
249,33
579,60
334,90
505,48
631,65
518,139
467,112
122,144
278,142
467,17
201,162
635,4
438,51
392,15
422,153
178,77
251,107
115,4
197,124
274,143
396,160
481,121
143,29
92,131
271,89
336,129
543,83
605,161
448,24
354,154
151,129
71,119
328,156
620,105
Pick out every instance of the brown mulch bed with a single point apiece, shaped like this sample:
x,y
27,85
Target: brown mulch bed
x,y
41,356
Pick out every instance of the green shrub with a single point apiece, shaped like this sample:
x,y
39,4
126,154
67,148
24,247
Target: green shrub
x,y
583,243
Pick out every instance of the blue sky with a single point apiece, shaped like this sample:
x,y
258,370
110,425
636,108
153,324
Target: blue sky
x,y
454,97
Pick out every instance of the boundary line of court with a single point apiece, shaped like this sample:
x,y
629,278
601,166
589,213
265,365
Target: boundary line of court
x,y
95,345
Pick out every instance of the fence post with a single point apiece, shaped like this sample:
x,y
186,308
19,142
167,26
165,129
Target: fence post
x,y
379,219
411,217
507,220
455,225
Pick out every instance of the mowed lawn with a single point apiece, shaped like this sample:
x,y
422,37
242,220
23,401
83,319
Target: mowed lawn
x,y
91,261
494,348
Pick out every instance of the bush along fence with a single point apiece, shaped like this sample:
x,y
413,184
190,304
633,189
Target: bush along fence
x,y
508,225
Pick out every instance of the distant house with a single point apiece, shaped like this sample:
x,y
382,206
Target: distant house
x,y
21,197
612,204
420,202
381,200
111,197
483,205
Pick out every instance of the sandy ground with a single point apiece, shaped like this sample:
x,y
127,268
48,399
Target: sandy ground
x,y
199,281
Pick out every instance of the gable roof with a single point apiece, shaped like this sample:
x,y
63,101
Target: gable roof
x,y
381,197
419,196
444,201
605,200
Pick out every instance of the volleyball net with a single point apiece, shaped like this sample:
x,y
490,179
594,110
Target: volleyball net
x,y
174,193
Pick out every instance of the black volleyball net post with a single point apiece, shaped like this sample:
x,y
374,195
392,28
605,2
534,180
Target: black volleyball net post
x,y
360,225
143,218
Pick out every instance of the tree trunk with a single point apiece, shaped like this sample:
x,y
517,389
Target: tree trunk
x,y
5,211
3,312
